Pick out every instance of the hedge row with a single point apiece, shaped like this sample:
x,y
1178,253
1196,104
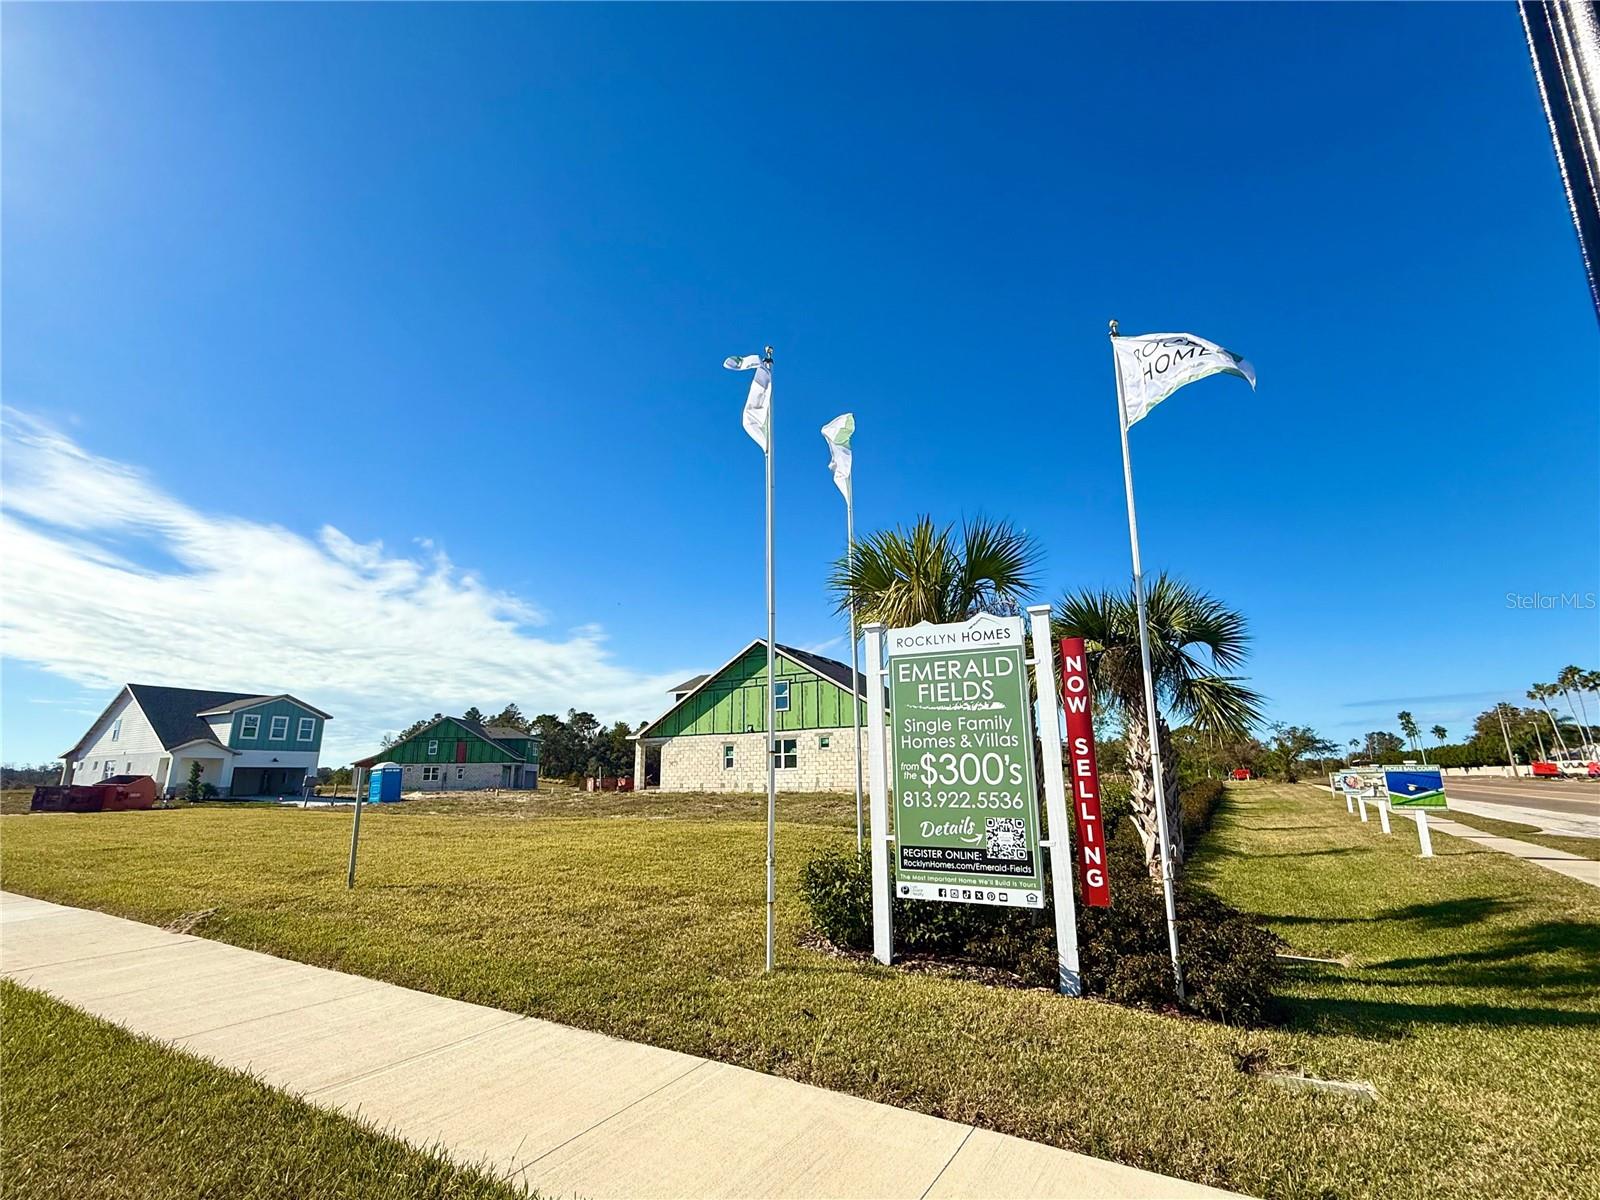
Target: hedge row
x,y
1230,964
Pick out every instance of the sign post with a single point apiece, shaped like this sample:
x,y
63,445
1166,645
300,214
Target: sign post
x,y
878,775
961,764
1069,976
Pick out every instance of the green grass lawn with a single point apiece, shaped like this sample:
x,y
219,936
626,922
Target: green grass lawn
x,y
91,1112
1469,994
1587,847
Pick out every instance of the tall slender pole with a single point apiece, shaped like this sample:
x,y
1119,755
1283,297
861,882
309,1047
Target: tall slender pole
x,y
1150,713
355,828
1511,759
772,688
855,670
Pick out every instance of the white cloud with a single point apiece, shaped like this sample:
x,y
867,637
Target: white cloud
x,y
375,638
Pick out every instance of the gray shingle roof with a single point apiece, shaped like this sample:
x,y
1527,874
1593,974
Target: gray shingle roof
x,y
832,668
174,712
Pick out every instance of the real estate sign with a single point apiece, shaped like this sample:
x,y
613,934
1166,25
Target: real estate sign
x,y
1414,787
962,764
1361,782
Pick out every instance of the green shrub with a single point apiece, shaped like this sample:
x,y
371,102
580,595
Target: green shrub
x,y
1199,804
1229,962
1230,966
837,885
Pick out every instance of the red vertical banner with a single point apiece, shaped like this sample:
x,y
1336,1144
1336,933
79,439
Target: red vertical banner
x,y
1083,776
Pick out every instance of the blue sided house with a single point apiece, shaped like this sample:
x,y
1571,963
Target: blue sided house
x,y
246,745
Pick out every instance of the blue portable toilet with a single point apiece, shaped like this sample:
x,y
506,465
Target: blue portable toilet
x,y
383,785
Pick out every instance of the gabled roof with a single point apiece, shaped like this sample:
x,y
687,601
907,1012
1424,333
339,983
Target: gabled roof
x,y
252,701
174,713
830,669
177,715
498,739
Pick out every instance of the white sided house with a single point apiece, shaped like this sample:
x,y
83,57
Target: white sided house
x,y
246,745
714,739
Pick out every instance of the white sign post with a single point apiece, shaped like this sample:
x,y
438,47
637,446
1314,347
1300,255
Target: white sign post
x,y
1423,836
1069,980
878,793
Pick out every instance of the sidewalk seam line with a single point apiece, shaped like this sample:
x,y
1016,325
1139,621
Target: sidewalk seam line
x,y
281,1012
511,1019
971,1129
62,962
610,1116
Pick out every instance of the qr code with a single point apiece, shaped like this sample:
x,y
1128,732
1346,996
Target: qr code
x,y
1006,838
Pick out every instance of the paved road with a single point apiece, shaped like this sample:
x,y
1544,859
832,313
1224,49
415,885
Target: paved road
x,y
1559,805
560,1110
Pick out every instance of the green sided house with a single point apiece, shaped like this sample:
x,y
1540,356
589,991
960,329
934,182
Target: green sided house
x,y
453,754
714,737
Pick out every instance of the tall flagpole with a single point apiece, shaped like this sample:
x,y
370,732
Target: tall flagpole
x,y
1149,684
855,670
772,687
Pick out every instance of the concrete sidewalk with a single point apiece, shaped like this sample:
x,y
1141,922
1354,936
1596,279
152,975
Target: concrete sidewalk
x,y
560,1110
1573,866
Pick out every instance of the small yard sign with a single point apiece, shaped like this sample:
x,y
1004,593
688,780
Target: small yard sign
x,y
962,764
1415,787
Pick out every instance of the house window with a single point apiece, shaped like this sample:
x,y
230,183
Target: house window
x,y
433,747
307,729
249,725
116,729
727,756
109,771
822,741
780,696
786,753
431,774
279,729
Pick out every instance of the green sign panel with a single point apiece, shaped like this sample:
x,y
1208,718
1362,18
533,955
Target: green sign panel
x,y
962,771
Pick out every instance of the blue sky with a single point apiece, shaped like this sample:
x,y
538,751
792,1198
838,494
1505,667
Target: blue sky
x,y
372,352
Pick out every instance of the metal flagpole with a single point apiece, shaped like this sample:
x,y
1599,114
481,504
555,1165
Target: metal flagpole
x,y
772,687
1150,713
855,671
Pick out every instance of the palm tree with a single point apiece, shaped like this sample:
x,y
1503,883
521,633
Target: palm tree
x,y
1571,680
1194,640
1355,747
1542,693
1408,726
1589,681
902,576
1439,734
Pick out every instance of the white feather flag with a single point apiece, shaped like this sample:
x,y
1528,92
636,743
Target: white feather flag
x,y
838,433
758,404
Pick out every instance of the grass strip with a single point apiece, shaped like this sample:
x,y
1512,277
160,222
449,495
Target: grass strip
x,y
90,1111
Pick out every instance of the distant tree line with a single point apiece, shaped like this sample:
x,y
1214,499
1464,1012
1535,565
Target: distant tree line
x,y
25,775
